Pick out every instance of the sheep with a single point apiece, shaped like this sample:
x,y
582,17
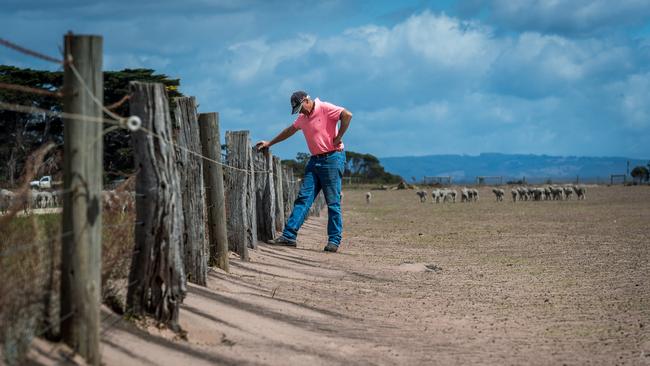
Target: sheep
x,y
422,195
474,194
523,193
464,195
7,198
580,191
537,193
498,193
45,199
514,193
568,191
556,193
435,196
453,195
547,193
368,197
447,195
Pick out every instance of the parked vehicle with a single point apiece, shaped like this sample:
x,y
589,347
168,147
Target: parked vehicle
x,y
45,182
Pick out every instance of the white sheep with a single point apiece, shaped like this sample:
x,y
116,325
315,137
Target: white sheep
x,y
436,195
580,191
514,194
465,195
368,197
474,192
498,193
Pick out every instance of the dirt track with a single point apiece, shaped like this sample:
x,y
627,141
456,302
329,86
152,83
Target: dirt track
x,y
526,283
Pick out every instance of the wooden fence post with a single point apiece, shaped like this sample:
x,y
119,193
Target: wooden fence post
x,y
264,194
289,190
156,280
240,196
82,208
190,169
279,196
214,190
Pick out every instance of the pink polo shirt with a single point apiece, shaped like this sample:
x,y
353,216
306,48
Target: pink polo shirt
x,y
320,127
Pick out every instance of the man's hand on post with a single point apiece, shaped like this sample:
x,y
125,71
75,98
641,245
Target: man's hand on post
x,y
261,145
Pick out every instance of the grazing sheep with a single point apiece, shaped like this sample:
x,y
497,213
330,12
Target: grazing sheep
x,y
422,195
523,193
568,191
556,193
464,195
498,193
580,191
474,192
452,195
6,200
538,194
368,197
514,193
547,193
436,195
446,195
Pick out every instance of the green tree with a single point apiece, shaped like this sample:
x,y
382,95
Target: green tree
x,y
640,173
22,132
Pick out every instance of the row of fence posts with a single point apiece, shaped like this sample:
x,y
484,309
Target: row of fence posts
x,y
180,191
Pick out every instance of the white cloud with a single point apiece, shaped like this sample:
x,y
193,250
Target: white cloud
x,y
256,57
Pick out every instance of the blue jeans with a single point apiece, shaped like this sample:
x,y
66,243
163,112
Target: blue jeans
x,y
321,173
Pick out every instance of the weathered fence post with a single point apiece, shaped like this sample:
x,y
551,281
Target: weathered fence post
x,y
264,194
279,196
214,190
289,190
317,205
81,255
240,197
156,280
190,169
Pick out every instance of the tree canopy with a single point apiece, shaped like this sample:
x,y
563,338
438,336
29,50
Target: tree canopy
x,y
23,133
640,173
364,168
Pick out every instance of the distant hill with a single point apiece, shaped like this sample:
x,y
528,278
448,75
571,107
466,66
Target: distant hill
x,y
535,168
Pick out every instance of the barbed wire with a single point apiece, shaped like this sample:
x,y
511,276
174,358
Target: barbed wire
x,y
29,52
34,110
119,102
31,90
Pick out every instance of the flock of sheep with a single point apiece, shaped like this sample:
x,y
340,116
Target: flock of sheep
x,y
449,195
119,200
546,193
29,200
550,193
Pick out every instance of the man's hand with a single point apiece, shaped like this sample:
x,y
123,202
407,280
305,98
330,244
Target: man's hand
x,y
262,145
337,140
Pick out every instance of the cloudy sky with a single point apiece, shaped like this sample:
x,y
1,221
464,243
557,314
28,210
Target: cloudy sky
x,y
556,77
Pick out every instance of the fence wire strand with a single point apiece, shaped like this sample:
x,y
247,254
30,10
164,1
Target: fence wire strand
x,y
31,90
29,52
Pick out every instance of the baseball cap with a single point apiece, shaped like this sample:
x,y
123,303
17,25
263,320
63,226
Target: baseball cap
x,y
296,100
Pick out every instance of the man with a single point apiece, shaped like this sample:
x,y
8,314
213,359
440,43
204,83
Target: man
x,y
318,121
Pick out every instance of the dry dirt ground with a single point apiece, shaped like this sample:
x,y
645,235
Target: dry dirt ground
x,y
502,283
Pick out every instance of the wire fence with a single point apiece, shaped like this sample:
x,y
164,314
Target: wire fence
x,y
31,221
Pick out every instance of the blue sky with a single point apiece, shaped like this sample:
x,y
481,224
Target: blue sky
x,y
556,77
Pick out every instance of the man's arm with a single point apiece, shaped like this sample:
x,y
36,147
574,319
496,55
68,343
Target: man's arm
x,y
285,134
346,117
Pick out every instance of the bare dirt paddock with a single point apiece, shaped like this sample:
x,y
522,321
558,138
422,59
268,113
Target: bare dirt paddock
x,y
542,283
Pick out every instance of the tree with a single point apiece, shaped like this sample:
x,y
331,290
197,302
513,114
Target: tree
x,y
640,173
365,167
23,132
